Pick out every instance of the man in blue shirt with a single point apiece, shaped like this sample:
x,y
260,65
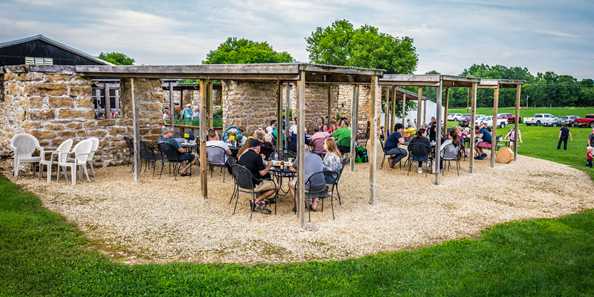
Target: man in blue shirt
x,y
391,146
485,142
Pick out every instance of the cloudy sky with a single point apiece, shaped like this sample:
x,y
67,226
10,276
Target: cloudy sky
x,y
449,35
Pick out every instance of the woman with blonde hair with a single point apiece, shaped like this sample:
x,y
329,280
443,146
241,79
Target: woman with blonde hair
x,y
332,161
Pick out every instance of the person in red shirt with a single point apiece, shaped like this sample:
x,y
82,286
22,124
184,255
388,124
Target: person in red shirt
x,y
589,156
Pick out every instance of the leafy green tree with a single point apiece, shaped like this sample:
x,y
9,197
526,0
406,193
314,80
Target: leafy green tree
x,y
342,44
244,51
116,58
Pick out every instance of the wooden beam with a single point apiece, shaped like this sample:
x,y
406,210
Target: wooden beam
x,y
171,106
438,111
473,92
517,121
107,102
354,124
445,111
403,109
210,113
203,134
136,131
279,117
375,98
301,148
494,133
419,107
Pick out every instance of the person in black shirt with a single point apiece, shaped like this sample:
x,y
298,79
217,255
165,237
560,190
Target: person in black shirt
x,y
433,130
564,136
391,146
252,160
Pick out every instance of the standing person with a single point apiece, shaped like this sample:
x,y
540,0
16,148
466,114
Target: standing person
x,y
564,136
264,188
342,136
187,113
391,146
591,138
511,135
589,156
196,114
433,130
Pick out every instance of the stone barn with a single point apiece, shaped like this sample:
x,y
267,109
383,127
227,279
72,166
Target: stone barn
x,y
55,103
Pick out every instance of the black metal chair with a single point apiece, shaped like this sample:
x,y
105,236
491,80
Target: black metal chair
x,y
148,156
448,159
387,155
321,191
216,158
172,156
244,182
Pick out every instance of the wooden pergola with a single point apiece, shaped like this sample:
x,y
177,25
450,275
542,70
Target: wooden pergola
x,y
298,73
441,83
393,95
496,85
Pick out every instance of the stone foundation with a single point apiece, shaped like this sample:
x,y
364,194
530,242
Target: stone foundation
x,y
53,103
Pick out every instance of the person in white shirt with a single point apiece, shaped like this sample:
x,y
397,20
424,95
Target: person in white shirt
x,y
212,139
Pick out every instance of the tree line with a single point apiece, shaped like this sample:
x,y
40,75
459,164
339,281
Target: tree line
x,y
341,43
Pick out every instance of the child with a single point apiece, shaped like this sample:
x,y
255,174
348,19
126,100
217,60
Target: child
x,y
589,156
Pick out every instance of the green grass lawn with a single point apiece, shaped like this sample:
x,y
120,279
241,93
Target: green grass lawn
x,y
541,142
42,255
530,111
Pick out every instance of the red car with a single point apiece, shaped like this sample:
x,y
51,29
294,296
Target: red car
x,y
510,117
587,121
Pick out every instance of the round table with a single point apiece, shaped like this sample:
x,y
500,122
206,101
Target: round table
x,y
279,173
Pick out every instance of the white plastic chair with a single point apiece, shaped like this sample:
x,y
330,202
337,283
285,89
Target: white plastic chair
x,y
24,145
94,148
81,151
60,154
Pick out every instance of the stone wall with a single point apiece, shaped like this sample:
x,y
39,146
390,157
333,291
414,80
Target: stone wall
x,y
345,100
248,104
53,103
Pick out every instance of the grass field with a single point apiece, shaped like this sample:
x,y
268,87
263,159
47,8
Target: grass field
x,y
541,142
42,255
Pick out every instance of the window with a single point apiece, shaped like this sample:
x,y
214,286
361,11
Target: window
x,y
100,101
38,61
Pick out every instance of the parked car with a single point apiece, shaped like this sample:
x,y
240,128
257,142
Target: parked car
x,y
542,119
455,116
509,117
568,120
587,121
488,120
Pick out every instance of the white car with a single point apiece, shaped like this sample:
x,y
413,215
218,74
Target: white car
x,y
455,117
488,120
542,119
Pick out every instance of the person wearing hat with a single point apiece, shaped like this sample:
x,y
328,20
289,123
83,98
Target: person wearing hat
x,y
265,188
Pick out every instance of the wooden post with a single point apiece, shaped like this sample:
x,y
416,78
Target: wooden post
x,y
438,102
386,105
517,121
473,92
329,116
394,108
494,133
445,111
181,98
136,130
210,113
375,98
354,124
424,119
171,106
389,111
203,134
287,112
107,102
301,147
419,108
279,118
403,109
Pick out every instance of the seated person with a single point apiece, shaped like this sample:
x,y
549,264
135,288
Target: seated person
x,y
266,146
332,160
485,142
212,139
342,136
184,154
419,148
312,163
391,146
317,141
450,148
264,188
